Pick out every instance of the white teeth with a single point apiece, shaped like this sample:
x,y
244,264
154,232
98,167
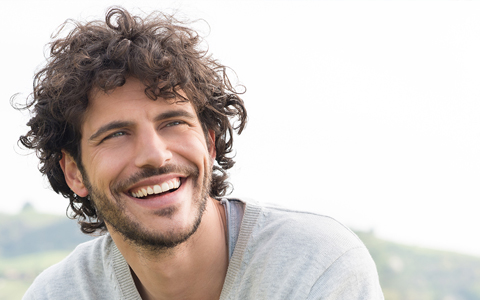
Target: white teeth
x,y
157,189
165,187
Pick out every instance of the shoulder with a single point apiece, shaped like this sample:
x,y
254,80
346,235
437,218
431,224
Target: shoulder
x,y
295,237
306,229
310,252
87,263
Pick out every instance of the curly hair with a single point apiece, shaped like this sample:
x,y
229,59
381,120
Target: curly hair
x,y
160,51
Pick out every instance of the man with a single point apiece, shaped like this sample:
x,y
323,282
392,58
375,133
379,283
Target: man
x,y
133,124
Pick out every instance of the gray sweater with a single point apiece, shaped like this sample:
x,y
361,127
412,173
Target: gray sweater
x,y
275,253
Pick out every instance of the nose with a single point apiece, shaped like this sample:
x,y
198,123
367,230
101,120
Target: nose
x,y
152,150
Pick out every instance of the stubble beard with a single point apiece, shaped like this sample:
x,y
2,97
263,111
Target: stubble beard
x,y
147,241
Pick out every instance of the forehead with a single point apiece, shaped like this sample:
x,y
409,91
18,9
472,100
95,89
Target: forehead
x,y
128,102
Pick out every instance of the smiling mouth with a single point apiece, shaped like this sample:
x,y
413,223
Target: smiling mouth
x,y
165,187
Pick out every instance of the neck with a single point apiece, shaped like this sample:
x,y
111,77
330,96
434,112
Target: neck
x,y
194,270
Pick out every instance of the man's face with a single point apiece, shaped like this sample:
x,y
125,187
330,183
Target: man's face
x,y
132,146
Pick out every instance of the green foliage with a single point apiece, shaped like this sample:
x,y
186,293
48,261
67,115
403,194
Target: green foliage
x,y
30,242
416,273
12,289
30,265
17,273
32,232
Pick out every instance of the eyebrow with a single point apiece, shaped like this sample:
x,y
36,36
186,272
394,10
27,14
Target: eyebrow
x,y
122,124
173,114
110,126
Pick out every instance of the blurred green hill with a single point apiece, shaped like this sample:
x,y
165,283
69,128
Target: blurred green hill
x,y
413,273
31,241
30,232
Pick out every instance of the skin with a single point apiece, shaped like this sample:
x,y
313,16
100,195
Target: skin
x,y
130,142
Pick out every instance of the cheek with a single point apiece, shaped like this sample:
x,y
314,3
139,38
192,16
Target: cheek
x,y
193,148
105,166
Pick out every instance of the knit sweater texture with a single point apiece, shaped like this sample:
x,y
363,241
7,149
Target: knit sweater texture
x,y
275,253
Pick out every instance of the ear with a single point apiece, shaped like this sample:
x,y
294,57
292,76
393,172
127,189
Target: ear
x,y
72,174
211,144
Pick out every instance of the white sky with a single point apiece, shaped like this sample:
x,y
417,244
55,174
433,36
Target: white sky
x,y
368,111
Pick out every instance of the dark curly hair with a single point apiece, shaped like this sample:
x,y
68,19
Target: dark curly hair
x,y
160,51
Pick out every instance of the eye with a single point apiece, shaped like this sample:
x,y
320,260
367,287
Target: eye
x,y
175,123
114,135
120,133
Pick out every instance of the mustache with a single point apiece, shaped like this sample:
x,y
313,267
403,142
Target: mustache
x,y
150,172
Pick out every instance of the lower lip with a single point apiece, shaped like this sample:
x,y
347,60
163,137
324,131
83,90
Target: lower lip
x,y
161,201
